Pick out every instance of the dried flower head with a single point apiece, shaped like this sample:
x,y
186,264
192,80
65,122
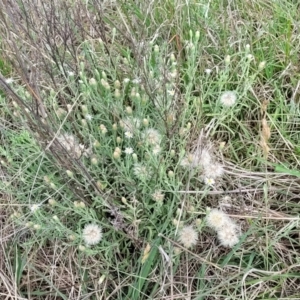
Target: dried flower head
x,y
69,142
156,150
217,219
92,234
228,236
213,170
228,98
130,124
141,171
200,158
158,196
151,136
188,236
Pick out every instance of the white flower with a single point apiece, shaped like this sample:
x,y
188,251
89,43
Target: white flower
x,y
128,135
171,92
70,73
228,236
88,117
188,236
128,151
126,80
208,71
209,181
228,98
9,80
92,234
151,136
217,219
35,207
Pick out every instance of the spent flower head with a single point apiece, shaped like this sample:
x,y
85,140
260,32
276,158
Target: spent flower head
x,y
213,170
141,171
158,196
217,219
71,145
188,236
130,124
151,136
228,236
228,98
92,234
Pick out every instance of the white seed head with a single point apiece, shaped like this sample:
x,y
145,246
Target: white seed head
x,y
141,171
130,124
228,236
217,219
188,236
92,234
158,196
156,150
151,136
228,98
213,170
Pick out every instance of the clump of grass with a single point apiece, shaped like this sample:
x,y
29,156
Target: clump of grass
x,y
123,125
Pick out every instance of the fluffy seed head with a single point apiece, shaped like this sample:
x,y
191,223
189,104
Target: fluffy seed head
x,y
156,150
92,234
217,219
188,236
213,170
158,196
141,171
228,98
152,136
69,142
130,124
228,236
201,158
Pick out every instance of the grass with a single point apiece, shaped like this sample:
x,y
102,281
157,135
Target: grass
x,y
93,82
